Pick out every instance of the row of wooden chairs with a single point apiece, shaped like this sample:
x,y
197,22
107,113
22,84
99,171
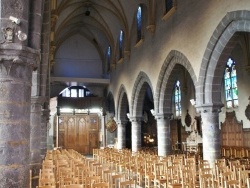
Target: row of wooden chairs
x,y
176,170
68,168
233,152
122,168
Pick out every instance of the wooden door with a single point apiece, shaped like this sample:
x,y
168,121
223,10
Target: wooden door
x,y
79,132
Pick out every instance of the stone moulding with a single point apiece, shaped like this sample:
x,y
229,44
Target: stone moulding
x,y
19,54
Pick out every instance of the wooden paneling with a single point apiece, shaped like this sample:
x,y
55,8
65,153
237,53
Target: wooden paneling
x,y
178,133
79,132
232,131
246,136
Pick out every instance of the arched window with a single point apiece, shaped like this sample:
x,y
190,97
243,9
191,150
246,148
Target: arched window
x,y
121,38
75,92
139,23
230,81
177,98
169,5
108,58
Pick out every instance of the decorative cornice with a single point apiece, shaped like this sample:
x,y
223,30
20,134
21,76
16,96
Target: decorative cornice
x,y
19,54
38,99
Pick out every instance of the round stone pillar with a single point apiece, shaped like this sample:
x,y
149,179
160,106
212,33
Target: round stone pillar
x,y
136,133
121,134
16,64
211,134
163,135
44,131
35,137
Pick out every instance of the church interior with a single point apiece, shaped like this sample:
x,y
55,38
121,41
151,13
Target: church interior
x,y
117,94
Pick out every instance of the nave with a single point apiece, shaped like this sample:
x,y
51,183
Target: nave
x,y
112,168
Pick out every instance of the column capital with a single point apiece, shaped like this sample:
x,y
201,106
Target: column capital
x,y
120,122
135,118
209,108
163,115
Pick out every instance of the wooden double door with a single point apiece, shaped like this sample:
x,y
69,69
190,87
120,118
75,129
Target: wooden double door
x,y
79,132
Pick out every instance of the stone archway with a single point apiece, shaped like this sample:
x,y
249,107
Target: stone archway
x,y
142,83
208,89
122,121
163,97
220,43
173,58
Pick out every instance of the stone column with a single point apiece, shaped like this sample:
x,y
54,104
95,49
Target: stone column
x,y
16,64
211,133
121,134
44,132
103,130
136,133
163,134
35,137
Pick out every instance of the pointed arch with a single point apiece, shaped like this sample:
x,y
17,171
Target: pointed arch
x,y
166,83
122,104
221,42
110,103
139,90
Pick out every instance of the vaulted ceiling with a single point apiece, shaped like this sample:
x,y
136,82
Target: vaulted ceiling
x,y
98,21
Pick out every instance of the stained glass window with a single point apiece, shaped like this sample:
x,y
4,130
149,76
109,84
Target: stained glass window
x,y
177,99
169,5
108,58
230,81
139,23
121,37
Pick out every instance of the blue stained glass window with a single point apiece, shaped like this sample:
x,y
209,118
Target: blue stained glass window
x,y
139,23
121,44
177,99
169,5
108,58
230,81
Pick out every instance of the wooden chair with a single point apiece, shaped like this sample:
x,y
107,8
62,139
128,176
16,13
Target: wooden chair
x,y
188,178
74,186
149,174
68,181
173,177
160,179
229,180
237,169
219,175
115,179
244,177
233,163
140,170
107,175
127,184
207,180
232,184
100,185
220,162
91,180
46,182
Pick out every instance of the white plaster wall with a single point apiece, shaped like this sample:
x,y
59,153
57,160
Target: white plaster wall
x,y
77,57
188,31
